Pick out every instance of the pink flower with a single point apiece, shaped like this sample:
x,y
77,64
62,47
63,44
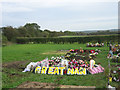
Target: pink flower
x,y
71,65
39,62
119,69
74,67
82,65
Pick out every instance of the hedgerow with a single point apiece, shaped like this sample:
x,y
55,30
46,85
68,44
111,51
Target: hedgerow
x,y
58,40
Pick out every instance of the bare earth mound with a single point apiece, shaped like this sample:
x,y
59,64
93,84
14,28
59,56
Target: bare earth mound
x,y
57,52
49,85
16,64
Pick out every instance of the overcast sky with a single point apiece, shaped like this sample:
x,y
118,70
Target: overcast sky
x,y
74,15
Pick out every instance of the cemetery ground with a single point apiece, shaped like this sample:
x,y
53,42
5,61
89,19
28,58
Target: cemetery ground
x,y
16,57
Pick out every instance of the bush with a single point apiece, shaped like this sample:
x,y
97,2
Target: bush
x,y
58,40
4,40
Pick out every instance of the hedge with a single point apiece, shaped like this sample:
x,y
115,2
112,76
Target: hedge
x,y
57,40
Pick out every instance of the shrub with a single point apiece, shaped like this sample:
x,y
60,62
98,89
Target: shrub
x,y
58,40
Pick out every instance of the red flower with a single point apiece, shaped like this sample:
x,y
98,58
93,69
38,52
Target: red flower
x,y
92,51
69,63
76,65
82,51
76,50
65,71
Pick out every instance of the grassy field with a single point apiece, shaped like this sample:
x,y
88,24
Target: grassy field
x,y
34,52
86,35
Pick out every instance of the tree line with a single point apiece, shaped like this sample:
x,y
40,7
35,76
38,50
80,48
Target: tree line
x,y
32,30
29,30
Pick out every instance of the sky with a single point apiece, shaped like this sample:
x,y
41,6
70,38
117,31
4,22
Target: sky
x,y
57,15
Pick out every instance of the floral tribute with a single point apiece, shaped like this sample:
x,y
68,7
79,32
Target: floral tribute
x,y
95,44
79,62
114,56
114,53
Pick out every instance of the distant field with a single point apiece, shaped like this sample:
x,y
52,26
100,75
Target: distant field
x,y
87,35
12,77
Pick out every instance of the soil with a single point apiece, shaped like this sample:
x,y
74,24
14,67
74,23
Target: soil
x,y
29,84
19,65
56,52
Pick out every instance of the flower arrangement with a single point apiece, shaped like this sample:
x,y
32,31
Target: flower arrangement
x,y
116,53
95,44
55,61
69,60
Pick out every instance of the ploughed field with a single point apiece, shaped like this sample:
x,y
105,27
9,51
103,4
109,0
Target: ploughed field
x,y
16,57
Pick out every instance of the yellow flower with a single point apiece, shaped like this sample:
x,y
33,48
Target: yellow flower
x,y
110,79
90,57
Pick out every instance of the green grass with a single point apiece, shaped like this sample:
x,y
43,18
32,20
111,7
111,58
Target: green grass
x,y
86,35
33,52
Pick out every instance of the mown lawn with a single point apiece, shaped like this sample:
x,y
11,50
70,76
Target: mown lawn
x,y
34,52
